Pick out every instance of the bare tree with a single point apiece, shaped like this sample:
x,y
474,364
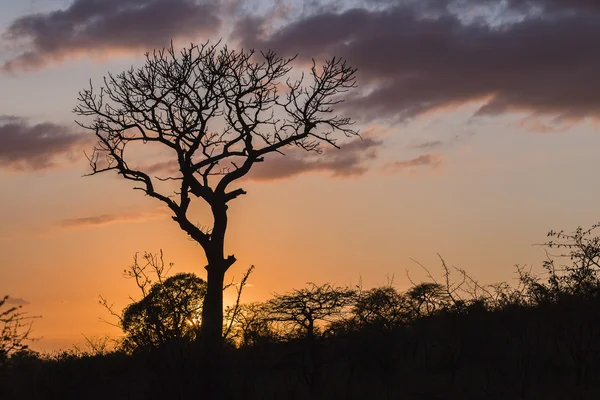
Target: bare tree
x,y
232,312
217,112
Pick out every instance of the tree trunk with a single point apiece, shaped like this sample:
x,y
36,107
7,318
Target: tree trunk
x,y
211,334
211,337
212,310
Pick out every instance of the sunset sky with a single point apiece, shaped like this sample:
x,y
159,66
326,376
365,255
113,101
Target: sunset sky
x,y
480,133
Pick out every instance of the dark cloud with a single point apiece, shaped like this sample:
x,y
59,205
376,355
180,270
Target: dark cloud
x,y
556,6
538,56
26,147
92,26
8,119
348,161
432,160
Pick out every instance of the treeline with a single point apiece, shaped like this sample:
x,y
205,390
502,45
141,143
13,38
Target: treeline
x,y
441,339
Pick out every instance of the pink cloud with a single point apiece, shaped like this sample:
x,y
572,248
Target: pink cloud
x,y
431,160
106,219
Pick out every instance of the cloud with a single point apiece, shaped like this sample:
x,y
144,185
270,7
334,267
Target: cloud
x,y
169,167
432,160
17,301
537,56
27,147
106,219
351,160
435,144
92,27
428,145
537,125
556,6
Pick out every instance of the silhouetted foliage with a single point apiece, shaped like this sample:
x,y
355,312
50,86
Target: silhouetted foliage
x,y
382,307
445,338
581,275
427,298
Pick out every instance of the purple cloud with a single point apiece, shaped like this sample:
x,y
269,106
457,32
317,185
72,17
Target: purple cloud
x,y
351,160
413,57
26,147
91,26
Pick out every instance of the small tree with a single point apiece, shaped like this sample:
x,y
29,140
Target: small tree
x,y
217,112
580,276
170,307
301,311
427,298
170,311
382,307
16,327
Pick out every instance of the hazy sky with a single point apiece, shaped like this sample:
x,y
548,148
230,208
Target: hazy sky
x,y
480,127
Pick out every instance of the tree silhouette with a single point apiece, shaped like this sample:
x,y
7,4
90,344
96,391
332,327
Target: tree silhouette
x,y
16,328
216,112
170,311
300,313
381,307
170,307
427,298
581,275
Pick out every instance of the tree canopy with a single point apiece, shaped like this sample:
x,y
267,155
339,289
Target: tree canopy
x,y
171,310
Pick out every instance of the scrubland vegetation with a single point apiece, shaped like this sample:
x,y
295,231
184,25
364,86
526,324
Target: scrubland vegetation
x,y
441,339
